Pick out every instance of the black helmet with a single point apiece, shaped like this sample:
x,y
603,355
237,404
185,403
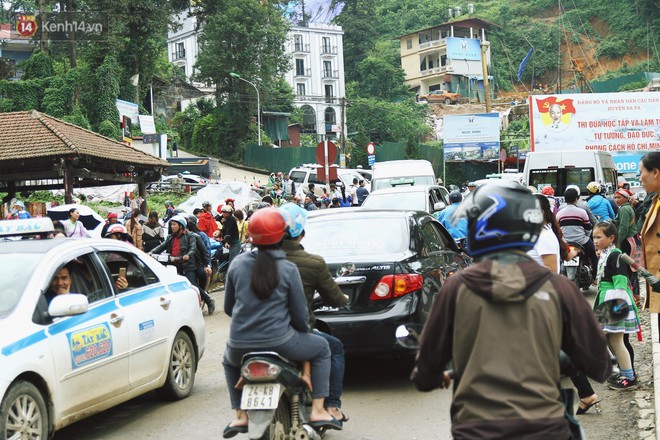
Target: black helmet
x,y
500,215
192,220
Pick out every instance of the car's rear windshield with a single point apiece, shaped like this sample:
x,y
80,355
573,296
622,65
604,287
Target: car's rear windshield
x,y
401,180
15,272
363,236
405,200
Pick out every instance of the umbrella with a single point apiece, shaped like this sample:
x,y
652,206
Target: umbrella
x,y
88,217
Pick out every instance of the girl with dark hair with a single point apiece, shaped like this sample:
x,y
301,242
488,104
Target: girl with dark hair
x,y
548,251
265,298
74,228
612,277
134,228
152,232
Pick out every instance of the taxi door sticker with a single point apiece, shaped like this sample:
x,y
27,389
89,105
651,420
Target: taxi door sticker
x,y
90,344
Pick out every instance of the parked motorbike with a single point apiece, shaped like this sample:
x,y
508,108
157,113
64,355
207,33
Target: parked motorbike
x,y
276,399
577,269
407,335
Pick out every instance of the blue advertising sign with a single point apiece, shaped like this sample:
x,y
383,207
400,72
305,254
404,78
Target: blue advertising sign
x,y
626,162
371,159
468,137
463,49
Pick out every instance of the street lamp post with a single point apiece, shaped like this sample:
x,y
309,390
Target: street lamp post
x,y
237,76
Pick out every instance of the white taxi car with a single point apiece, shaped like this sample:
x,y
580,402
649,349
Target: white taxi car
x,y
98,346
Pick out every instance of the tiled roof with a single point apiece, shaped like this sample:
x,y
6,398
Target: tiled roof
x,y
33,134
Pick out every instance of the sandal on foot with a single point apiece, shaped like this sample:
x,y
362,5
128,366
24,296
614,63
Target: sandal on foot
x,y
327,424
588,406
232,431
343,418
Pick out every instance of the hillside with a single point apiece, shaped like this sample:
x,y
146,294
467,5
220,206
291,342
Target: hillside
x,y
605,39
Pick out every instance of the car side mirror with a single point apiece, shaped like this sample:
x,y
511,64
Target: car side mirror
x,y
439,206
68,305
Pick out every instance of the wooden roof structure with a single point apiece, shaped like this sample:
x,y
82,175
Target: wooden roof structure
x,y
39,152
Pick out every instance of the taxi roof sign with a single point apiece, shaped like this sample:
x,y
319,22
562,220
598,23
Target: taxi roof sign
x,y
28,226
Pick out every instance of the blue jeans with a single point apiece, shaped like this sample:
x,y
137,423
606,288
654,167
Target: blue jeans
x,y
301,347
337,366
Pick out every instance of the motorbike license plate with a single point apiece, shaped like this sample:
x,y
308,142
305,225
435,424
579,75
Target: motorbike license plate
x,y
574,262
260,396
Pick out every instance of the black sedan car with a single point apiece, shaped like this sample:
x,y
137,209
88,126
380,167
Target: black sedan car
x,y
390,263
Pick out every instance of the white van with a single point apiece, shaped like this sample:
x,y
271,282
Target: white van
x,y
563,168
402,172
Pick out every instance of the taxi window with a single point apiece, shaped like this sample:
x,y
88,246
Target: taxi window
x,y
86,279
137,273
15,271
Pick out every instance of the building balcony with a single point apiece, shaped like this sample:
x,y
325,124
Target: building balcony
x,y
179,55
300,48
329,99
436,71
330,74
432,44
303,73
328,50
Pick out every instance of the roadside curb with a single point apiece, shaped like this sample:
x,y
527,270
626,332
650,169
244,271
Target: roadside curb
x,y
656,369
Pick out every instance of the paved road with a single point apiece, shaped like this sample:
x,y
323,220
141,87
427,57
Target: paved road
x,y
379,399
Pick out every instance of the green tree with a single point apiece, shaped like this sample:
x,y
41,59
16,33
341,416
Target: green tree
x,y
380,79
246,37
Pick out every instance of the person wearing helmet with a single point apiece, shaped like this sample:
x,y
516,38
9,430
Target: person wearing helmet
x,y
265,299
231,236
576,225
459,230
580,204
512,315
182,248
599,205
18,211
203,270
119,232
316,277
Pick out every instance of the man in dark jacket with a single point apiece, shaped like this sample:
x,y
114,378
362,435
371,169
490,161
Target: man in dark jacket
x,y
230,233
203,270
316,277
182,248
503,322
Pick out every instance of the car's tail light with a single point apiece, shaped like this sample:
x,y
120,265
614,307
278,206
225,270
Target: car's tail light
x,y
394,286
258,370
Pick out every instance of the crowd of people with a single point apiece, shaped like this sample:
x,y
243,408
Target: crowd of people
x,y
282,189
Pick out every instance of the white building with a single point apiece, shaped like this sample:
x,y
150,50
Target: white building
x,y
316,75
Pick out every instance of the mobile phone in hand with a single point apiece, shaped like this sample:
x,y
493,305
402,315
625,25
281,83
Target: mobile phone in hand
x,y
122,272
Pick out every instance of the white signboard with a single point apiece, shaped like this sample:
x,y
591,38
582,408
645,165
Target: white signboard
x,y
469,137
129,109
147,124
624,124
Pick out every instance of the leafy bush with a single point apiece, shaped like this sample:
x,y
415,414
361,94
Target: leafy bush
x,y
109,129
39,65
612,47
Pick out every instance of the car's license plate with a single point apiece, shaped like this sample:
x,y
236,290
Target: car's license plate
x,y
574,262
260,396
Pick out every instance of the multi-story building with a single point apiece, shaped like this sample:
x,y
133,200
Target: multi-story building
x,y
13,50
446,57
316,74
317,77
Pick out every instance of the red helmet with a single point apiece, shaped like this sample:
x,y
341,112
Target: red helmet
x,y
266,227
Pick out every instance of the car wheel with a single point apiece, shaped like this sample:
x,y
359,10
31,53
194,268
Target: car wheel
x,y
447,101
424,100
23,413
181,368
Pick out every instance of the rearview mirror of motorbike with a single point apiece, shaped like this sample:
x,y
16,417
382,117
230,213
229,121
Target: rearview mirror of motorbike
x,y
407,335
611,311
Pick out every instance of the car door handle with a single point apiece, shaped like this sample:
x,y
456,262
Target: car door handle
x,y
347,281
165,303
116,320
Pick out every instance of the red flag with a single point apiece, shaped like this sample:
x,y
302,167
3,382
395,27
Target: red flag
x,y
544,104
567,106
